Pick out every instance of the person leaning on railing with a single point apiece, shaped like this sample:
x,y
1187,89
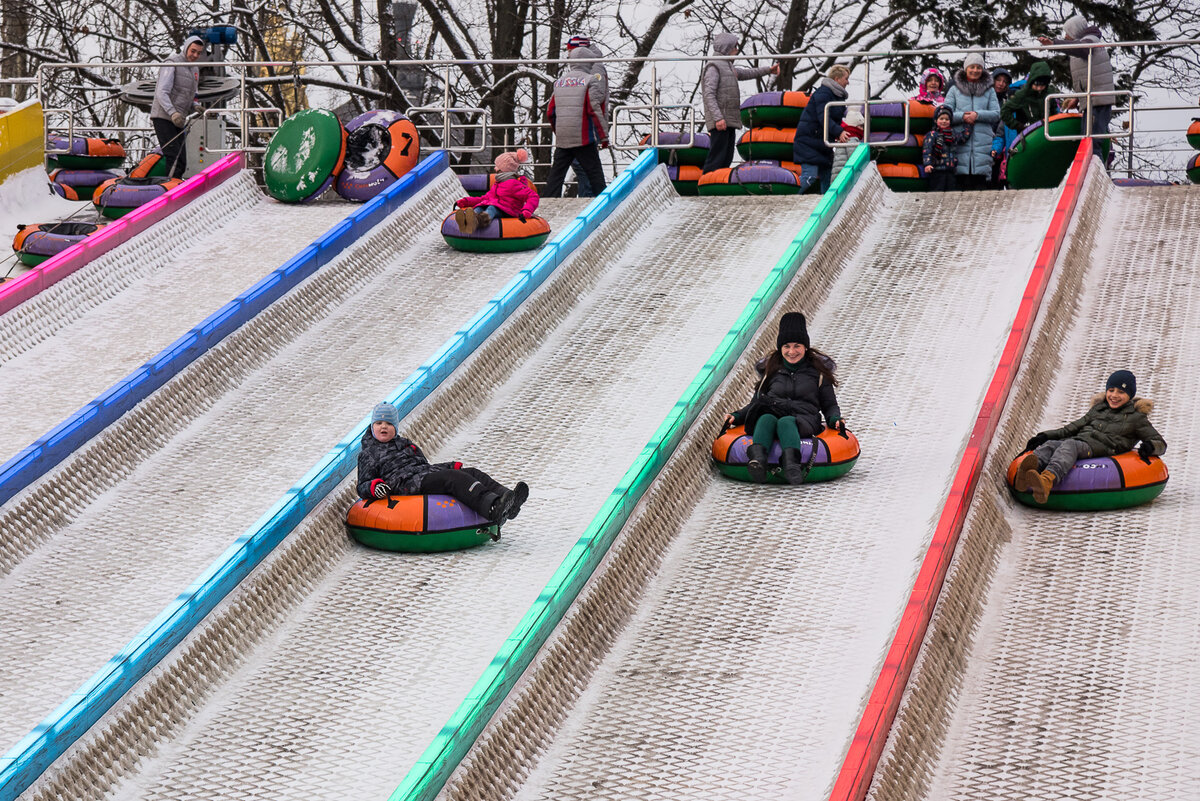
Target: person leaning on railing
x,y
174,96
723,100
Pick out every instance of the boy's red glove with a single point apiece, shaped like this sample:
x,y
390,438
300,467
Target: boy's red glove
x,y
457,465
379,489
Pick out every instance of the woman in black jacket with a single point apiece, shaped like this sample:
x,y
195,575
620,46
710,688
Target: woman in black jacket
x,y
795,390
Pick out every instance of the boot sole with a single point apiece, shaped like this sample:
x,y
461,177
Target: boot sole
x,y
758,473
1027,473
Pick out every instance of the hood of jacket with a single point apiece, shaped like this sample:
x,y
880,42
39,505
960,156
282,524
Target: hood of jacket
x,y
1075,27
581,58
1143,405
1039,69
188,42
925,79
973,88
724,44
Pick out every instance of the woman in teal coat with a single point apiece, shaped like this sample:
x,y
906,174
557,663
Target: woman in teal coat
x,y
973,99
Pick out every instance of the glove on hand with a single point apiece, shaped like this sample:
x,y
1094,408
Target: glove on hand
x,y
604,144
841,427
523,217
456,465
1035,441
178,119
1146,450
379,489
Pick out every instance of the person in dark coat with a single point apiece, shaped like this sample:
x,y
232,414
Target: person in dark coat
x,y
1002,135
795,390
1117,420
808,147
1027,104
389,464
937,153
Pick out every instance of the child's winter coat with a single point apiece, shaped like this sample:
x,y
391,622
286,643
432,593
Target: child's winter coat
x,y
937,154
800,392
974,155
923,95
1110,431
399,462
514,196
1026,106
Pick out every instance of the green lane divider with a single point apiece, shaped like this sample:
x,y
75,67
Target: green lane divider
x,y
426,779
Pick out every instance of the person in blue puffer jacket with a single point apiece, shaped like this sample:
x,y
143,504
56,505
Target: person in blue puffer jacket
x,y
973,99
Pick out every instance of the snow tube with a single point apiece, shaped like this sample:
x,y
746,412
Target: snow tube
x,y
504,235
83,153
119,196
905,151
1193,169
889,117
751,178
211,88
781,109
1193,134
1110,482
903,177
34,244
418,524
79,184
1035,162
154,165
381,146
305,156
1139,182
836,454
692,156
766,142
684,178
477,184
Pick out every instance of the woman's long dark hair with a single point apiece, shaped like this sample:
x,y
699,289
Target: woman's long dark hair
x,y
820,362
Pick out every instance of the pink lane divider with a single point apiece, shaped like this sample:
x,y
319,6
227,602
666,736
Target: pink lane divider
x,y
858,769
56,268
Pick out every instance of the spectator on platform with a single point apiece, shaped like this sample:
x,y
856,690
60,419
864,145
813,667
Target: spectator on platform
x,y
174,100
723,100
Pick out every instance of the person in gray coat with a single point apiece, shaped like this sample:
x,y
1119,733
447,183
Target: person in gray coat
x,y
972,98
723,100
174,95
577,118
1077,30
598,70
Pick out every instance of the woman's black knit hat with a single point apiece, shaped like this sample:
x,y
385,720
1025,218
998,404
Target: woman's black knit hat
x,y
792,328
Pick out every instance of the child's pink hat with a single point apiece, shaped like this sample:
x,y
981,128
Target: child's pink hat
x,y
512,161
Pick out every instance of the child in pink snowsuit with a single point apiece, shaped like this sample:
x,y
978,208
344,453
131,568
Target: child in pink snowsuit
x,y
932,88
512,195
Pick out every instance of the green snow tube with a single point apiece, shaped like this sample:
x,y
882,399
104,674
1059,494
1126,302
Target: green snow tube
x,y
305,156
1193,169
1035,162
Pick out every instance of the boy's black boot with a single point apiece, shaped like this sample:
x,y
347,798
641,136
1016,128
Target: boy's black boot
x,y
500,508
793,466
756,464
520,494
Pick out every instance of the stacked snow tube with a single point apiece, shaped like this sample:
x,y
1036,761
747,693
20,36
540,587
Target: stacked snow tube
x,y
502,235
418,524
381,146
899,150
752,178
1110,482
777,109
694,155
1035,162
34,244
1131,182
84,153
889,117
478,183
903,177
835,455
685,178
1193,169
305,156
1193,134
153,165
79,184
767,143
119,196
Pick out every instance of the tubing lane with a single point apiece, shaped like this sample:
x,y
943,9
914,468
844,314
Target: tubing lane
x,y
548,398
753,644
227,428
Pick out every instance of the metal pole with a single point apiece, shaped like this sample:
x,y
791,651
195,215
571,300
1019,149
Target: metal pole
x,y
867,97
446,110
245,103
1087,119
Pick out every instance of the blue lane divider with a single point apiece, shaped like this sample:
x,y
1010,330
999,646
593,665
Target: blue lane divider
x,y
43,455
37,750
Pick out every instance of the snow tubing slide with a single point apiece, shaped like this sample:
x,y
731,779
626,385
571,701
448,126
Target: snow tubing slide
x,y
767,143
119,196
1109,482
305,156
34,244
780,109
835,455
1035,162
752,178
79,184
83,153
418,524
903,177
694,155
503,235
381,146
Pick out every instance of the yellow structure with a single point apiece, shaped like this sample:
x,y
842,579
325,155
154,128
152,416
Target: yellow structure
x,y
21,144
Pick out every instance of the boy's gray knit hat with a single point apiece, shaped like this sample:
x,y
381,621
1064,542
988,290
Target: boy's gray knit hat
x,y
386,413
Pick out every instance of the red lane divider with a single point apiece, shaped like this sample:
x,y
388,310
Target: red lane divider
x,y
52,270
858,769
